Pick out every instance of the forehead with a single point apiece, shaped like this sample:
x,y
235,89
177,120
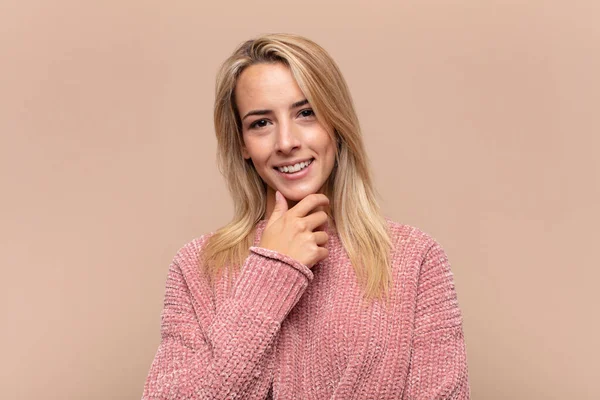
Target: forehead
x,y
266,86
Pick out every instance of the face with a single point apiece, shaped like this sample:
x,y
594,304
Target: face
x,y
290,149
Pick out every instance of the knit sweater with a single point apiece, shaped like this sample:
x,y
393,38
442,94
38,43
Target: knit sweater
x,y
276,329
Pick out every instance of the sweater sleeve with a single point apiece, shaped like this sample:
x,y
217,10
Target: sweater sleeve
x,y
438,367
227,358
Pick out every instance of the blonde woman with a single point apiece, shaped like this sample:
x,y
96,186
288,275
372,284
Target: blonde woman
x,y
309,292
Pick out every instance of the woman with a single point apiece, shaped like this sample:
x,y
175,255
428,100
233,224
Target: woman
x,y
309,292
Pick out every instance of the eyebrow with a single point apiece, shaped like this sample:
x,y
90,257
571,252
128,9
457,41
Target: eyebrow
x,y
264,112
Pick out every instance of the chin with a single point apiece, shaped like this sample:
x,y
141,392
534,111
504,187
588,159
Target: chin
x,y
296,194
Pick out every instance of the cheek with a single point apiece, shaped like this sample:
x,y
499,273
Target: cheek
x,y
330,153
328,145
244,147
245,153
319,138
256,150
249,147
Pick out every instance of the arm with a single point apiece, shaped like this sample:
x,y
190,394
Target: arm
x,y
228,358
438,368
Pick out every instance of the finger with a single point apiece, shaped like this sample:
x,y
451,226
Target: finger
x,y
315,220
321,238
324,226
322,253
280,206
308,204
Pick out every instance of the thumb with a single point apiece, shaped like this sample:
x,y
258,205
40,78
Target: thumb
x,y
280,208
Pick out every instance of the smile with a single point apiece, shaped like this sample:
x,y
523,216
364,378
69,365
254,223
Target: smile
x,y
290,169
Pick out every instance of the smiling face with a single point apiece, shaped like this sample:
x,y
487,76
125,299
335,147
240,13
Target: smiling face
x,y
290,149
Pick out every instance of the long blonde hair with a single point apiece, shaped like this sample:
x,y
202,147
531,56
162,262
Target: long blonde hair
x,y
358,219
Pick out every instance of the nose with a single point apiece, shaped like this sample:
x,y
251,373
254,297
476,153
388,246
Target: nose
x,y
287,139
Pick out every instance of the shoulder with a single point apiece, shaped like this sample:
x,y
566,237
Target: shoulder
x,y
416,252
405,236
186,259
191,249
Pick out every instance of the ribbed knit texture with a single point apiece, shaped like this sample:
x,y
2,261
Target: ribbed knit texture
x,y
279,330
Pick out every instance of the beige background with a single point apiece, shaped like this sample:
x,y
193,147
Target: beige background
x,y
481,119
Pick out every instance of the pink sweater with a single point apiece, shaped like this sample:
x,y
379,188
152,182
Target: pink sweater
x,y
280,330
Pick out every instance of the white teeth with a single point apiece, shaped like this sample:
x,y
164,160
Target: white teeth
x,y
295,168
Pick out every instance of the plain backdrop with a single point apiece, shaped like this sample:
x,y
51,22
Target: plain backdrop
x,y
481,121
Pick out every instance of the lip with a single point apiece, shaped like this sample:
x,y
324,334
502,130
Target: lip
x,y
293,162
296,175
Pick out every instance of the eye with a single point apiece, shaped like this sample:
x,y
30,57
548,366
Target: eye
x,y
306,113
259,123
